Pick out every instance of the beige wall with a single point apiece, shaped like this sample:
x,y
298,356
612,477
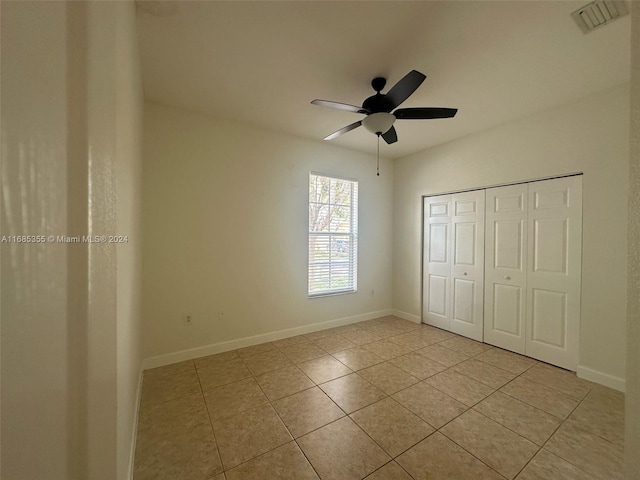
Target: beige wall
x,y
68,373
129,111
225,228
591,136
632,423
35,378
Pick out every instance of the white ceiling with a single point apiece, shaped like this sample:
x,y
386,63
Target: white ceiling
x,y
263,62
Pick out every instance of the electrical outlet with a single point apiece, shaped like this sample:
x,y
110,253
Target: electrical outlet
x,y
220,315
187,320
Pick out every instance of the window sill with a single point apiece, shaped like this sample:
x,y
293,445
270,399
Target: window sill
x,y
331,294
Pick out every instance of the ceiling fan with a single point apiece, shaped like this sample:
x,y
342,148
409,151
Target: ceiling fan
x,y
377,108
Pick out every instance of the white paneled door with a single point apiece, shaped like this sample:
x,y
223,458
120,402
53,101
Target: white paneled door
x,y
505,272
437,261
467,264
533,269
554,270
454,263
503,265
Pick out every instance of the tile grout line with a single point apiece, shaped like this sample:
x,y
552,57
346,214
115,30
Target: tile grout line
x,y
269,403
562,421
439,430
293,438
469,408
348,414
470,453
540,447
412,349
402,406
549,438
560,426
213,430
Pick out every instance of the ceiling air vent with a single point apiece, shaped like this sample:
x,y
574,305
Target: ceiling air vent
x,y
599,13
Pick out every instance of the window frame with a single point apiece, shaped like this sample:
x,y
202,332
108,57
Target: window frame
x,y
353,234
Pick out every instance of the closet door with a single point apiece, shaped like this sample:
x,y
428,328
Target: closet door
x,y
437,261
553,282
467,264
506,272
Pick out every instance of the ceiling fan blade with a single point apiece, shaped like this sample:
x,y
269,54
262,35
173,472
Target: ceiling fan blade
x,y
424,113
346,129
340,106
390,136
405,87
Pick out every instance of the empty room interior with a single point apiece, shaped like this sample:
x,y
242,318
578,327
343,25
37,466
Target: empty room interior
x,y
379,240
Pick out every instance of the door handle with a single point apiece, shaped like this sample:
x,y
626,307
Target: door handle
x,y
507,277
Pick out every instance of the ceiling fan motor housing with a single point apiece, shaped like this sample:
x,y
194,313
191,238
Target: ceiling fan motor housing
x,y
378,103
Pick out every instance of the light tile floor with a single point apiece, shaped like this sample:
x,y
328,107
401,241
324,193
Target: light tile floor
x,y
384,399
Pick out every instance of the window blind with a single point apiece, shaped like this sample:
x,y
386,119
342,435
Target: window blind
x,y
333,235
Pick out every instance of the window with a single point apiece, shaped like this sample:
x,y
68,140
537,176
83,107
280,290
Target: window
x,y
333,235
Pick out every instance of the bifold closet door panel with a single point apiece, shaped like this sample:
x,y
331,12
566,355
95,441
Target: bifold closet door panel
x,y
554,278
437,261
506,267
467,264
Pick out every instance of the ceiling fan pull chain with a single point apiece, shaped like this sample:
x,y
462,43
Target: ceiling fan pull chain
x,y
378,168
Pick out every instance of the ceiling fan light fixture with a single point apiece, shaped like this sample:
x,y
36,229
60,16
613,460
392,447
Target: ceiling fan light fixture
x,y
378,120
379,123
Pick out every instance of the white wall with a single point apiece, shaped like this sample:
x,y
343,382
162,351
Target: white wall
x,y
129,112
35,393
225,228
590,135
632,397
64,403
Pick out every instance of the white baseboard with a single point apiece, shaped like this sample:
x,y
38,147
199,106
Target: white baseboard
x,y
605,379
190,354
407,316
134,435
